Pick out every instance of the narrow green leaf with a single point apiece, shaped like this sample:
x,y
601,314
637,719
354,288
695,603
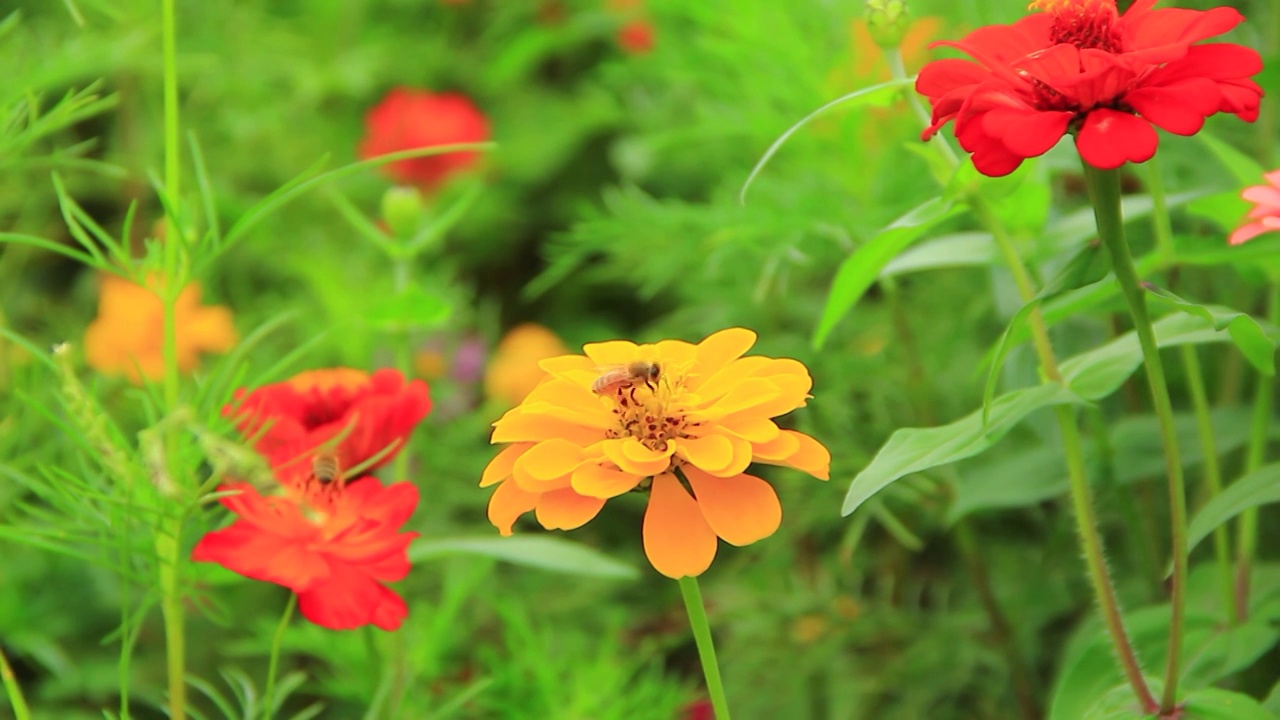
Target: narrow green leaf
x,y
51,246
540,551
911,450
1218,704
1245,169
861,268
1260,487
876,95
1088,266
1258,347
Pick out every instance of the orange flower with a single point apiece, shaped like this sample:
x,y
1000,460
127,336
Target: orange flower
x,y
513,372
334,549
603,425
127,338
366,418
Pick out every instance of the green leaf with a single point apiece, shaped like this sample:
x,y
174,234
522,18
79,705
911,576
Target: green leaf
x,y
1218,704
1260,487
414,308
1244,169
861,268
875,95
540,551
1099,372
911,450
1118,703
1088,266
1258,348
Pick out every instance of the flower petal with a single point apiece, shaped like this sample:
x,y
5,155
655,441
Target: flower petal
x,y
565,509
740,509
349,599
1109,138
634,458
711,453
600,481
499,468
677,539
507,504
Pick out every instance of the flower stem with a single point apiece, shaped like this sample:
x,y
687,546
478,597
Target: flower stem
x,y
11,688
172,174
706,648
270,697
401,268
1163,231
168,550
1247,537
1104,191
1077,474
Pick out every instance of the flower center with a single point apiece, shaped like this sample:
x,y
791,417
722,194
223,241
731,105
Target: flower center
x,y
1083,23
649,413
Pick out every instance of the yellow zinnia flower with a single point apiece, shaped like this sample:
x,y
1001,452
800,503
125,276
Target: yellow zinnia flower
x,y
127,337
513,371
602,425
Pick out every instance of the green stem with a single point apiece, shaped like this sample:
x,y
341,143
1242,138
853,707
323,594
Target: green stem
x,y
1104,191
172,174
402,268
11,688
168,550
706,648
1259,429
1195,384
1077,472
274,663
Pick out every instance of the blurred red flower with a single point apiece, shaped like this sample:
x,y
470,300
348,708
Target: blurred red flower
x,y
335,549
636,37
1080,67
355,415
408,119
1265,215
699,710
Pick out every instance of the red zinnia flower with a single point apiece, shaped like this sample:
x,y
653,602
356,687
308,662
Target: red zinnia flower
x,y
333,548
1266,210
636,37
408,119
1083,68
348,412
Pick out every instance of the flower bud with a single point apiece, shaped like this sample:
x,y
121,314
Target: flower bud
x,y
402,208
888,21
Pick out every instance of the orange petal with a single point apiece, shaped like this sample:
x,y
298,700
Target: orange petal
x,y
746,395
499,468
550,459
730,375
599,481
740,509
712,452
566,509
632,457
677,538
810,456
781,447
507,503
613,352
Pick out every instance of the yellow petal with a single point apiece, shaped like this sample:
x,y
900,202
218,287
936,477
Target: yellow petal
x,y
712,452
519,426
746,395
740,509
566,509
613,352
634,458
677,538
566,363
507,503
599,481
750,427
719,349
499,468
777,449
730,375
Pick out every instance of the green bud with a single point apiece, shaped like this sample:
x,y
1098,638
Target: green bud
x,y
887,20
403,209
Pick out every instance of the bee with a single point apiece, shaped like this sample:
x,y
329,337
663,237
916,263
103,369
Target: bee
x,y
325,469
615,379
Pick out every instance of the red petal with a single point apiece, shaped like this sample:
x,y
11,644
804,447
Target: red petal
x,y
1215,61
350,599
1109,138
943,76
1027,134
1179,108
247,550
